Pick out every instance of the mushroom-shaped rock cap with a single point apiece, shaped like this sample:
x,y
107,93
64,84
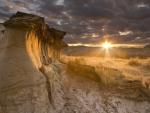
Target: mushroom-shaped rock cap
x,y
36,23
21,19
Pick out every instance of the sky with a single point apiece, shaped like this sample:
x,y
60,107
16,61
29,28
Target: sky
x,y
89,21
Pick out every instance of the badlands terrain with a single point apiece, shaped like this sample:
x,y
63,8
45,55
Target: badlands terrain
x,y
36,77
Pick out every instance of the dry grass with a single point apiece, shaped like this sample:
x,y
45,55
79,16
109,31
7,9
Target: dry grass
x,y
146,65
134,62
109,76
105,75
80,61
77,68
111,73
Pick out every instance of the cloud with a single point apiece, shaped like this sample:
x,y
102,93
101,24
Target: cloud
x,y
125,33
90,9
87,20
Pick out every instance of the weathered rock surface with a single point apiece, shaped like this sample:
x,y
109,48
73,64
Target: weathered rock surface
x,y
26,44
32,80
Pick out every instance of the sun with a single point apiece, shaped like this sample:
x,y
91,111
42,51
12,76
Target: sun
x,y
106,45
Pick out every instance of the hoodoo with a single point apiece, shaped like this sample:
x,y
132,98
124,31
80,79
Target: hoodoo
x,y
27,44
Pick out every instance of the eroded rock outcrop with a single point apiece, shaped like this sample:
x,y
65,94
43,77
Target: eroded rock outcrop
x,y
26,45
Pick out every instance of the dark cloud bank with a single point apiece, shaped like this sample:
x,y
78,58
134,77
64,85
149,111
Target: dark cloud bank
x,y
88,20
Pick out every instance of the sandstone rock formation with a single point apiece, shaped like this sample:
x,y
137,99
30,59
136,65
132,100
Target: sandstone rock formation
x,y
26,45
32,80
